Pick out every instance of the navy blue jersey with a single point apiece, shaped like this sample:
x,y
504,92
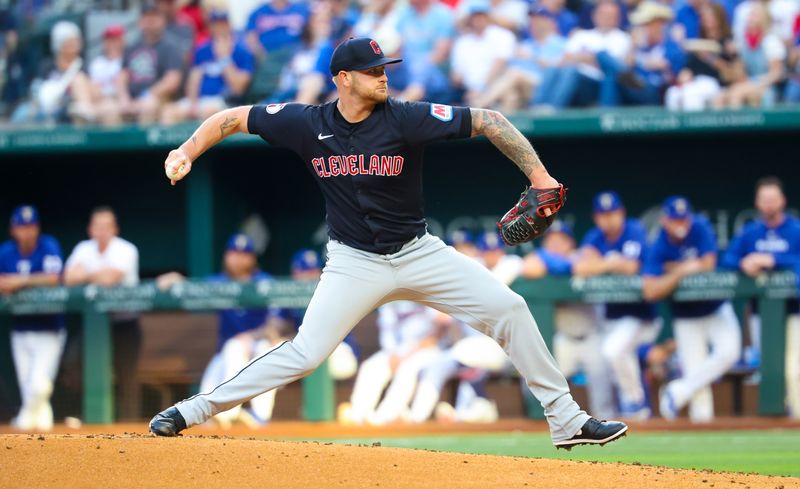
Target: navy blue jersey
x,y
235,321
631,244
782,242
698,243
370,173
46,258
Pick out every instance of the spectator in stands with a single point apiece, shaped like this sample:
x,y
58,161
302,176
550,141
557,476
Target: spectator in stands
x,y
480,54
543,50
220,75
300,78
617,245
687,19
107,260
192,13
763,55
566,20
8,44
152,71
656,60
792,92
376,17
12,83
104,71
33,259
179,28
707,333
243,333
576,81
427,29
712,63
772,243
781,15
577,338
508,14
276,25
62,91
317,85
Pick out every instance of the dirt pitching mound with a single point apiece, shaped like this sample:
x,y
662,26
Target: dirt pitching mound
x,y
143,461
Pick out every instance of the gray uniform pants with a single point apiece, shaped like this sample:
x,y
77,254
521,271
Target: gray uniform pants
x,y
427,271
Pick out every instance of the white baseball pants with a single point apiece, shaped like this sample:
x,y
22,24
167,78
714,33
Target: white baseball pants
x,y
37,355
425,270
721,333
375,374
622,339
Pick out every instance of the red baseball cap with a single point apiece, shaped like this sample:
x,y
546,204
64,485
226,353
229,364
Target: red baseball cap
x,y
114,30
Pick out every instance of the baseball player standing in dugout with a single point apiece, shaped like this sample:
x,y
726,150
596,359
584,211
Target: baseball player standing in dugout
x,y
365,152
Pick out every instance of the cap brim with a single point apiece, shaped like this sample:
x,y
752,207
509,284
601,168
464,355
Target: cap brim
x,y
377,62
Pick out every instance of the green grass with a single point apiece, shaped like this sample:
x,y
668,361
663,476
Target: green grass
x,y
763,452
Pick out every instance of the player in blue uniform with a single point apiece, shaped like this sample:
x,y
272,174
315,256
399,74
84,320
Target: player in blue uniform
x,y
772,243
365,152
617,246
686,245
577,339
33,259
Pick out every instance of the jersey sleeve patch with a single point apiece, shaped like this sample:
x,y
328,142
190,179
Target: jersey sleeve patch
x,y
273,109
442,112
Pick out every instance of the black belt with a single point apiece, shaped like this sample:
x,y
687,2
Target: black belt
x,y
391,250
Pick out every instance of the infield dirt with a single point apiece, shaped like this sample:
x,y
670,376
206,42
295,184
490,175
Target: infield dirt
x,y
134,460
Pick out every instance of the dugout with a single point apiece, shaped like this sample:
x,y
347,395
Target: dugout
x,y
713,158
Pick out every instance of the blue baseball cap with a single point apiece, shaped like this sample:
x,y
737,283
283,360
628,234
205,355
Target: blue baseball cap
x,y
561,227
358,53
539,11
218,15
459,236
607,201
490,241
24,215
305,260
677,207
241,242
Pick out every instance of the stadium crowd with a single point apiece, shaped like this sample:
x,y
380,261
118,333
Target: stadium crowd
x,y
616,350
169,61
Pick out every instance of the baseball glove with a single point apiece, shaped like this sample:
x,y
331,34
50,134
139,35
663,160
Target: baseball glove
x,y
527,219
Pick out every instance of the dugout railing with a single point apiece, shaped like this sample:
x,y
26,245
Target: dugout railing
x,y
95,303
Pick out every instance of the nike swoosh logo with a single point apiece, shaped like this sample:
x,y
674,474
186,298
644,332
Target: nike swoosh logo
x,y
321,137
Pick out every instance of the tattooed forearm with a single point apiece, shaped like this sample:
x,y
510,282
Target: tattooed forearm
x,y
228,123
215,129
506,138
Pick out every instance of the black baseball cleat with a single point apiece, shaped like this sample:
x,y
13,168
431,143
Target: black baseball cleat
x,y
595,432
169,422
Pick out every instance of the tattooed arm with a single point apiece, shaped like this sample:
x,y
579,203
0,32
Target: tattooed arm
x,y
213,130
511,143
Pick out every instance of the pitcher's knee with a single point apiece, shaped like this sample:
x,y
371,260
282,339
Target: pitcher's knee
x,y
307,362
509,304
